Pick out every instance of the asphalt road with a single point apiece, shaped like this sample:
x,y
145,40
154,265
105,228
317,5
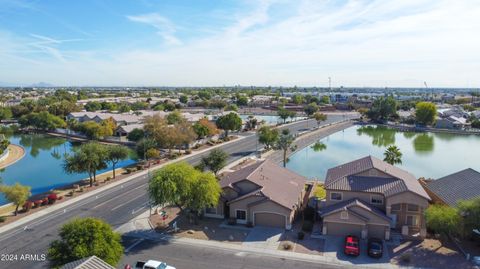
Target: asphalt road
x,y
26,248
192,257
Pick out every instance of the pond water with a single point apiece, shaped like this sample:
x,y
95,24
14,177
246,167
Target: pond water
x,y
429,155
271,119
41,167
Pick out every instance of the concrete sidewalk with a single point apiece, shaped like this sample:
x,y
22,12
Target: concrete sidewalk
x,y
140,228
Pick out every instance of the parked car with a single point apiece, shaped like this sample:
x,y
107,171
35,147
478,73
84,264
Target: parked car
x,y
352,245
375,248
152,264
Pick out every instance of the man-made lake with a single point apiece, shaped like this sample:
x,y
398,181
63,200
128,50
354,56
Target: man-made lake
x,y
429,155
41,167
272,119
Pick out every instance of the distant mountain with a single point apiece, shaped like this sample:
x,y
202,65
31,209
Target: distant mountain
x,y
41,85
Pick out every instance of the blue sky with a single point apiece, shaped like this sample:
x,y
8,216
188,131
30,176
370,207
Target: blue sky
x,y
264,42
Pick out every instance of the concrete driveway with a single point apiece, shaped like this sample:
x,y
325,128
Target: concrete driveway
x,y
334,249
264,237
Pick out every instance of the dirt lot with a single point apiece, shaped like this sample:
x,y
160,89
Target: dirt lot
x,y
429,253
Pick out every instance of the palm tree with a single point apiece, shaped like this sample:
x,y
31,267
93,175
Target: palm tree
x,y
284,143
393,155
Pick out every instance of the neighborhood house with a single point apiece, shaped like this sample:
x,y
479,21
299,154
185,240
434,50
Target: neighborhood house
x,y
449,190
262,194
368,197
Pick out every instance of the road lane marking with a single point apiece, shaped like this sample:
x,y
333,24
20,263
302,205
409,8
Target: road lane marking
x,y
113,198
122,204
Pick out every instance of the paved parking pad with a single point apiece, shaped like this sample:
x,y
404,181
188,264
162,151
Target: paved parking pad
x,y
264,237
334,248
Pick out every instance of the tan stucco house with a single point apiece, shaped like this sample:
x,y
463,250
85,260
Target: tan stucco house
x,y
368,197
262,194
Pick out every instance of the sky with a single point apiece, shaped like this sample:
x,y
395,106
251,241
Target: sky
x,y
376,43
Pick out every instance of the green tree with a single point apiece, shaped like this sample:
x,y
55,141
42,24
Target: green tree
x,y
175,117
183,99
232,107
470,210
319,117
16,194
267,136
88,158
115,154
204,128
152,154
393,155
425,113
143,145
242,100
285,114
93,106
215,160
310,109
182,185
135,135
325,99
5,113
229,122
82,238
42,121
383,109
285,143
442,219
297,99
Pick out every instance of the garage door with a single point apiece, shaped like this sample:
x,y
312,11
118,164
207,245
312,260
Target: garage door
x,y
376,231
343,229
270,219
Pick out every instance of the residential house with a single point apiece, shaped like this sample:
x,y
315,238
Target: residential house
x,y
261,194
448,190
368,197
451,122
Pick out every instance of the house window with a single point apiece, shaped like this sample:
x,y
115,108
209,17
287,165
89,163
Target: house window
x,y
241,214
211,210
344,215
336,196
396,207
412,220
376,200
412,208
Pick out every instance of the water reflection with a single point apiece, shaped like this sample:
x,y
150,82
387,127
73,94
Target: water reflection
x,y
381,136
319,146
423,143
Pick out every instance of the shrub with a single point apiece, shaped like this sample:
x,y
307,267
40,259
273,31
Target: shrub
x,y
286,246
27,206
232,221
249,224
71,193
3,219
309,213
45,201
301,235
307,226
52,198
81,189
37,203
60,198
188,151
108,179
